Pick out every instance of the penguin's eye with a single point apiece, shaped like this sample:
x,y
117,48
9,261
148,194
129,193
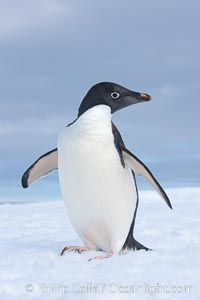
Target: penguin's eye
x,y
115,95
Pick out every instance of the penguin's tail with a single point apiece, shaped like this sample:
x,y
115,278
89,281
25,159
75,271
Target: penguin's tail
x,y
138,246
132,244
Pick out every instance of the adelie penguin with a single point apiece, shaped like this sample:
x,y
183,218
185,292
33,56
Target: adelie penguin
x,y
97,173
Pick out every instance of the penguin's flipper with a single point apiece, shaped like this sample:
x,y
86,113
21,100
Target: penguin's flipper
x,y
42,166
139,167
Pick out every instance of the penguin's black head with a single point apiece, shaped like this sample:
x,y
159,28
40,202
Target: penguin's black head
x,y
111,94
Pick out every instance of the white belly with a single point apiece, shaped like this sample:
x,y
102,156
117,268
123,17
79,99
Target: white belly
x,y
99,194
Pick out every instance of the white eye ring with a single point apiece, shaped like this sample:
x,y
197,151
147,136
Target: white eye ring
x,y
115,95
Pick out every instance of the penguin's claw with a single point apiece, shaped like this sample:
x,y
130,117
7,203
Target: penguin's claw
x,y
101,256
78,249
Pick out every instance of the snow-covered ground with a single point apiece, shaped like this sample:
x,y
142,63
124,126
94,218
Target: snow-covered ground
x,y
33,234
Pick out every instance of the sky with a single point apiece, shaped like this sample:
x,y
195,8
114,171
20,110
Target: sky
x,y
53,51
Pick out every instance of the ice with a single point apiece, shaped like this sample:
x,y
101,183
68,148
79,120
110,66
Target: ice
x,y
32,236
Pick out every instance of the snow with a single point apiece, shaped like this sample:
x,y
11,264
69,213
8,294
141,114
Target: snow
x,y
33,234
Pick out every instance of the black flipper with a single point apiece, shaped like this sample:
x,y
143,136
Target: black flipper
x,y
42,166
139,167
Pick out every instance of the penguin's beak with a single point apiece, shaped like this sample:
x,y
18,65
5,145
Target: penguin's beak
x,y
135,97
143,97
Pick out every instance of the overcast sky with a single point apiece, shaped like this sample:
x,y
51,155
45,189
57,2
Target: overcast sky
x,y
53,51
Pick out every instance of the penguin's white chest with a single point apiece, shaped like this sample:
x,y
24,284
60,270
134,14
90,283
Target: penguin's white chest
x,y
100,195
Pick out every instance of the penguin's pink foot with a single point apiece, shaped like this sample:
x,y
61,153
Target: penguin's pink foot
x,y
110,254
78,249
